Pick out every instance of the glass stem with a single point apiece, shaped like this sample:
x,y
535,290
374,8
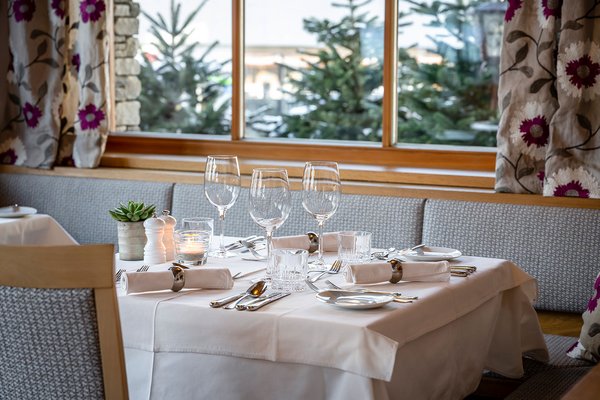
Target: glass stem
x,y
321,242
222,223
269,234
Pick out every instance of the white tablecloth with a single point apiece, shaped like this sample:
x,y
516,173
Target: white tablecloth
x,y
37,230
297,348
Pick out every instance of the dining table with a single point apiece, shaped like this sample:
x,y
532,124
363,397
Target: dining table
x,y
177,346
35,230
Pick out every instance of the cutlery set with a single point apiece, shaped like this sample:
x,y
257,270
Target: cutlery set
x,y
255,292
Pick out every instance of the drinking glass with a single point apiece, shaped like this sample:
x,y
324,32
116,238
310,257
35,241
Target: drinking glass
x,y
270,202
321,193
222,187
354,246
289,270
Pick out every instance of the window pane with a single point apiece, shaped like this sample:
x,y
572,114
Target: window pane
x,y
448,71
314,69
185,58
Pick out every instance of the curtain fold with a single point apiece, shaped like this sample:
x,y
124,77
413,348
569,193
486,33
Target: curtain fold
x,y
58,83
549,92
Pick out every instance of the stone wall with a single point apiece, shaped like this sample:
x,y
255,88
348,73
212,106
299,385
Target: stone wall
x,y
127,84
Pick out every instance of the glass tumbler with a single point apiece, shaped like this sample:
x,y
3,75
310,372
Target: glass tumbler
x,y
290,267
354,246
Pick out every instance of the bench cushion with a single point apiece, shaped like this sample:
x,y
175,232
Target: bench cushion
x,y
81,205
558,246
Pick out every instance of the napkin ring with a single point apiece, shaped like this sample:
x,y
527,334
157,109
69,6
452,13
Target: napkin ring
x,y
314,242
396,271
178,278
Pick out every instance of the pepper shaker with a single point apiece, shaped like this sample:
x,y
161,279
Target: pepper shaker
x,y
154,251
168,240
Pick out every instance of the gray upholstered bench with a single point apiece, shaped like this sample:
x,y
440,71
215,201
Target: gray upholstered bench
x,y
558,246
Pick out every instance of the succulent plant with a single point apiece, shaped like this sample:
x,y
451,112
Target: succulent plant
x,y
132,212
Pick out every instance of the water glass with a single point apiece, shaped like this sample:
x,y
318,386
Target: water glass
x,y
191,246
290,267
199,224
354,246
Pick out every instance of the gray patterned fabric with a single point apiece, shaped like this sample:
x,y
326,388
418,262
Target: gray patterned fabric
x,y
49,344
394,221
548,385
81,205
558,246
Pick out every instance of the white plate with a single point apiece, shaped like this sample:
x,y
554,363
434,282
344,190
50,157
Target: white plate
x,y
354,300
432,254
8,212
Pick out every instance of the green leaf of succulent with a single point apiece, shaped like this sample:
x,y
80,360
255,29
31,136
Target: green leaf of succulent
x,y
132,211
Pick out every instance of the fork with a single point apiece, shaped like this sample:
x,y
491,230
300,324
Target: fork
x,y
251,246
361,290
118,275
143,268
334,269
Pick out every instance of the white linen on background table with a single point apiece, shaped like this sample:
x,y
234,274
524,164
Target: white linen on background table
x,y
36,230
482,321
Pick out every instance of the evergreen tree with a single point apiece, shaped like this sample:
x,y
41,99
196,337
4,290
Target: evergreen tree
x,y
179,92
338,89
436,98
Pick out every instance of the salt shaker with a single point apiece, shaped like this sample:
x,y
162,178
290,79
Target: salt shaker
x,y
168,240
154,251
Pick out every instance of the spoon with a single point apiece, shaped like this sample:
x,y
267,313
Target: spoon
x,y
254,291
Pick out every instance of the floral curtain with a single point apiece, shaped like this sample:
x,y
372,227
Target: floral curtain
x,y
57,79
549,93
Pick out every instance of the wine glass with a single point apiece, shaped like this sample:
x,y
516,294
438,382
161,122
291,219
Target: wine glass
x,y
321,193
222,187
270,202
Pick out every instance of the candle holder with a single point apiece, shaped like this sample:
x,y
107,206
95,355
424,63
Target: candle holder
x,y
191,246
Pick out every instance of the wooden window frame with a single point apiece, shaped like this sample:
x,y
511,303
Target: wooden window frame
x,y
388,155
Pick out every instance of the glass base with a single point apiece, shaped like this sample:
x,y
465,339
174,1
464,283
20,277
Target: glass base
x,y
219,254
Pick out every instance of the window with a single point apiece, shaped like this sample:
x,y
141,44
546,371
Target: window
x,y
317,76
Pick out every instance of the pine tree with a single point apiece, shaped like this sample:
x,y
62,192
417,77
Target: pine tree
x,y
181,93
450,95
338,89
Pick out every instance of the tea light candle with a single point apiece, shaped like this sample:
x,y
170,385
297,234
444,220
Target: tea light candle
x,y
191,246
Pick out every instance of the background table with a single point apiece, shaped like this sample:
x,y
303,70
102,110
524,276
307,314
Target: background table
x,y
37,230
296,348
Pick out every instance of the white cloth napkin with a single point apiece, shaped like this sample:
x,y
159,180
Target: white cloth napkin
x,y
205,278
330,242
411,271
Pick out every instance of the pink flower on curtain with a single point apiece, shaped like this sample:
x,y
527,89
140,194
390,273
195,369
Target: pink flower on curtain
x,y
90,117
530,131
32,115
571,189
535,131
59,8
578,68
583,71
541,175
572,182
548,9
12,152
513,6
76,61
23,10
593,303
91,10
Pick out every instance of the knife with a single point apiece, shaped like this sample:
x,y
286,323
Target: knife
x,y
244,305
256,306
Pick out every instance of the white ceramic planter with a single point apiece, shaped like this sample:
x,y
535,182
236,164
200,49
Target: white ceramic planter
x,y
132,239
